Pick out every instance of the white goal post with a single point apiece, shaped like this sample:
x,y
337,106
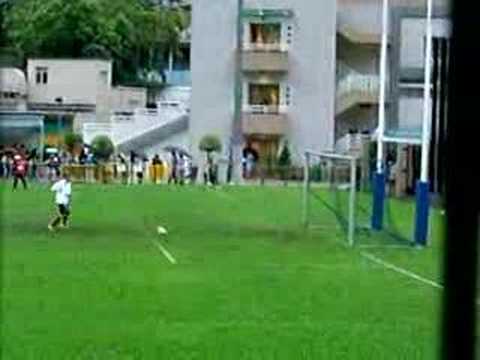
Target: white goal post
x,y
311,158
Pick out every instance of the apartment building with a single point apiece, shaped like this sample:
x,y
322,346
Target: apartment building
x,y
287,65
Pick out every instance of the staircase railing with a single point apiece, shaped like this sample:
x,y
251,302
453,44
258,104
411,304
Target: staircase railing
x,y
354,87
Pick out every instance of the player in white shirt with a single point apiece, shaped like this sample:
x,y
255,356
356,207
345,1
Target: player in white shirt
x,y
63,192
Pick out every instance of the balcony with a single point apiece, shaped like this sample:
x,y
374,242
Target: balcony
x,y
264,120
354,88
265,58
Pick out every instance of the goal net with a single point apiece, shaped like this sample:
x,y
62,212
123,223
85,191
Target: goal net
x,y
336,203
330,194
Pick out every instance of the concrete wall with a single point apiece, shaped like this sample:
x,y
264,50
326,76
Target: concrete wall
x,y
363,58
128,98
311,74
408,60
181,140
412,49
410,112
360,118
76,81
213,61
365,16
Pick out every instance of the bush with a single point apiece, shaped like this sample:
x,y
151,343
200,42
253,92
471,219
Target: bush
x,y
102,147
316,173
285,161
210,143
72,140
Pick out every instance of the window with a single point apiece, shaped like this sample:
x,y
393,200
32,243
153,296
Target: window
x,y
264,96
133,103
265,33
41,75
104,77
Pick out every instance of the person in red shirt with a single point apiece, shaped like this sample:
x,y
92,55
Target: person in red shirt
x,y
20,168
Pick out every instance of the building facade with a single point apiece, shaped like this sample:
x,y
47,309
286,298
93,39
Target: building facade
x,y
82,87
13,90
358,49
287,59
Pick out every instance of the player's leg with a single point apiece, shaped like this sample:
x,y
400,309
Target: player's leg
x,y
15,182
57,219
24,182
66,216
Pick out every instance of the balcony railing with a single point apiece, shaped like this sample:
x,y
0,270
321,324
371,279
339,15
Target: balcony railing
x,y
264,120
265,57
365,84
260,47
264,109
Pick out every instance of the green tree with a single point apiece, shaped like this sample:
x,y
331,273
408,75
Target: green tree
x,y
127,31
210,143
72,141
285,161
102,148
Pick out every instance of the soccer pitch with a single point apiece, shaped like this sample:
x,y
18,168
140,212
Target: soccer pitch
x,y
249,281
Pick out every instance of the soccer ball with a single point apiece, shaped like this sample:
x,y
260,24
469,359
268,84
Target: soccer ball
x,y
161,230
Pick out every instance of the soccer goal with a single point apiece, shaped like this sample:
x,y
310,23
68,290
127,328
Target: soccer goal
x,y
330,194
336,203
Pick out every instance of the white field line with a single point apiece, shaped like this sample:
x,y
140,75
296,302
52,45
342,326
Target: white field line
x,y
164,252
407,273
384,247
400,270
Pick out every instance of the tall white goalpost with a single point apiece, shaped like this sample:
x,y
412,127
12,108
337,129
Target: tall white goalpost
x,y
422,187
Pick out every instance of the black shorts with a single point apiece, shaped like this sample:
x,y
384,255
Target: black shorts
x,y
63,210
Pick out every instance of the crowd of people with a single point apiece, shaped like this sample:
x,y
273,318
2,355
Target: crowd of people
x,y
21,164
176,168
18,159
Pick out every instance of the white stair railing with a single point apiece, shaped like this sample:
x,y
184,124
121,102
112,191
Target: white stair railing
x,y
354,87
351,144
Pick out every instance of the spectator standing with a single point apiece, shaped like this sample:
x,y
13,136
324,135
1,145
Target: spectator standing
x,y
173,176
20,168
187,165
138,169
4,165
157,168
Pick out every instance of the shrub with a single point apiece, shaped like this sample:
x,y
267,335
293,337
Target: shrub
x,y
285,161
210,143
102,147
71,141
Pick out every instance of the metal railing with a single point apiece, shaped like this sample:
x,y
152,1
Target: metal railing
x,y
366,84
277,47
265,109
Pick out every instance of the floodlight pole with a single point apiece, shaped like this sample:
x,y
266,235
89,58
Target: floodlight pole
x,y
423,186
380,175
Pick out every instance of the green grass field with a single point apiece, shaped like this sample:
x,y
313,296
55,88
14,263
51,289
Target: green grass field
x,y
250,282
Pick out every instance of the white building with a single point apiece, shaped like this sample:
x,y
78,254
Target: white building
x,y
13,90
287,73
80,86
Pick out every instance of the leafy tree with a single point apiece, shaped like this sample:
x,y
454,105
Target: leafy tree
x,y
72,141
285,161
210,143
127,31
102,147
